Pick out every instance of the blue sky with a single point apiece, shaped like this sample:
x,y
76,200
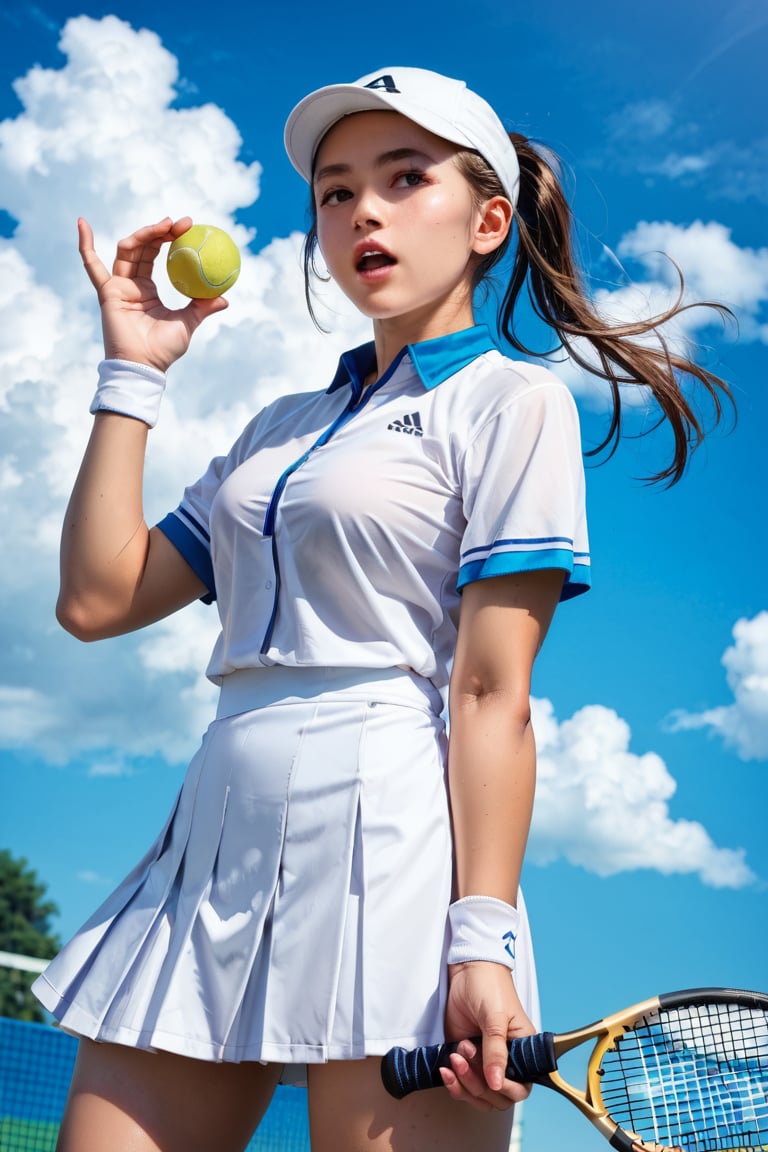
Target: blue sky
x,y
647,866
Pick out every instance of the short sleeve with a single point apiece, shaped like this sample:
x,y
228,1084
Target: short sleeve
x,y
523,491
187,527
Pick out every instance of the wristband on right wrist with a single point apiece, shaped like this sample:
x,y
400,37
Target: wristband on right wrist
x,y
129,389
483,928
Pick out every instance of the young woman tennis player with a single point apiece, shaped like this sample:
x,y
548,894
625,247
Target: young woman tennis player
x,y
340,875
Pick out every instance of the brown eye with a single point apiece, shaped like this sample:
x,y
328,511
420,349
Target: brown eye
x,y
335,196
410,179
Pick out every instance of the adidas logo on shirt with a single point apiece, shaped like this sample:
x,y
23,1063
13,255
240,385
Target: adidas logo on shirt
x,y
410,424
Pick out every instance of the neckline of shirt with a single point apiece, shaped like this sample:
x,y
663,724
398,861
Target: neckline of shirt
x,y
433,360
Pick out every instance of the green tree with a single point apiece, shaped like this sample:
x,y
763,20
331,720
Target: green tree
x,y
25,928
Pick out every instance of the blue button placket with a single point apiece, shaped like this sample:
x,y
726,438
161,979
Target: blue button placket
x,y
357,401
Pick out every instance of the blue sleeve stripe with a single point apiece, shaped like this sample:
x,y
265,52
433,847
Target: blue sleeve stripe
x,y
194,552
508,563
194,524
516,542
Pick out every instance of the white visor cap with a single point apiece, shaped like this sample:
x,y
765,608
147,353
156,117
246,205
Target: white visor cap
x,y
443,106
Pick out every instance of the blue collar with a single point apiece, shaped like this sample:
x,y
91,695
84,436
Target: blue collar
x,y
434,360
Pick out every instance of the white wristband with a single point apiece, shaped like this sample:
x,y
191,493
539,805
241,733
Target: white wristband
x,y
483,928
129,389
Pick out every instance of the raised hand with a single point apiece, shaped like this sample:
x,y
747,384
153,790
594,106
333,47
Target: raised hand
x,y
136,324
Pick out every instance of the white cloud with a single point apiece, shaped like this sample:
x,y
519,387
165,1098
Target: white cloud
x,y
648,119
25,716
607,809
88,877
722,170
99,138
743,725
109,768
32,315
677,166
715,268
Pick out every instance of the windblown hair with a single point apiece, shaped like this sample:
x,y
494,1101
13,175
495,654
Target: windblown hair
x,y
545,263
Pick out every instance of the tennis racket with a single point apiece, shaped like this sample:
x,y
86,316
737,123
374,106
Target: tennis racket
x,y
683,1072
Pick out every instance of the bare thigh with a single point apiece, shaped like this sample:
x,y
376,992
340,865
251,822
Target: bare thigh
x,y
350,1111
126,1100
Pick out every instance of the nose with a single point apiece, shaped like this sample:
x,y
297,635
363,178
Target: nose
x,y
367,212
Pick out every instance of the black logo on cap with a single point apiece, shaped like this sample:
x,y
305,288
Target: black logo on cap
x,y
386,82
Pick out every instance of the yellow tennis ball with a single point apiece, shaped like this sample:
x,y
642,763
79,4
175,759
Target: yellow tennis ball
x,y
204,262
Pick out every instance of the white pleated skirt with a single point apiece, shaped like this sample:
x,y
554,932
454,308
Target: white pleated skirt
x,y
294,907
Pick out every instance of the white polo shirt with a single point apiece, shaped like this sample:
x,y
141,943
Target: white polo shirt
x,y
342,524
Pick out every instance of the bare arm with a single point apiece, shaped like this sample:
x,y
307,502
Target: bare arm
x,y
492,756
492,769
116,575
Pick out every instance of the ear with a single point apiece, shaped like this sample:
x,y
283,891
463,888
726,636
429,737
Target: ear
x,y
493,226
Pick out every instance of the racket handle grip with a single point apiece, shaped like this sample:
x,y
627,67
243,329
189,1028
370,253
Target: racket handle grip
x,y
404,1071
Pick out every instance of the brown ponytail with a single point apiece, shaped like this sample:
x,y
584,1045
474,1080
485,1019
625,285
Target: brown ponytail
x,y
544,260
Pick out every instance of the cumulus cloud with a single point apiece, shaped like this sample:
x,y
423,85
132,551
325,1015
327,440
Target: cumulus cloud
x,y
742,724
715,269
607,809
25,716
99,137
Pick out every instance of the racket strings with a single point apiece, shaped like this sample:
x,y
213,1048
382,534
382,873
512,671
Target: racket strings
x,y
693,1078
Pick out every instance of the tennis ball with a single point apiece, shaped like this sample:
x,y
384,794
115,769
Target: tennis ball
x,y
203,262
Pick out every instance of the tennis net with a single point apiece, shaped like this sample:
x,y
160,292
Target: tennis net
x,y
36,1062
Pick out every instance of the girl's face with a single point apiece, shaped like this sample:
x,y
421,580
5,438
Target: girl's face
x,y
396,222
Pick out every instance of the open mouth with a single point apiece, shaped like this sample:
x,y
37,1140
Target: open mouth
x,y
372,259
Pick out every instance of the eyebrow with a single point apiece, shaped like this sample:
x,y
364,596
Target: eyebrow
x,y
381,161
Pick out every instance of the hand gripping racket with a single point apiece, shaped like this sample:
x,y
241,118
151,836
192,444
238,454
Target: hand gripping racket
x,y
683,1072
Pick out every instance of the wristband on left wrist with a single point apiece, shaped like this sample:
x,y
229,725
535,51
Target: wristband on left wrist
x,y
483,928
129,389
